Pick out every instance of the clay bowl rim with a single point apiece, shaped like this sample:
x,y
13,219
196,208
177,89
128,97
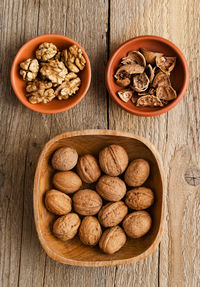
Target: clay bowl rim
x,y
140,112
37,107
62,259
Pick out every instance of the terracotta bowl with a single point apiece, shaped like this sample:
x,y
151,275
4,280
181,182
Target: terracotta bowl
x,y
27,51
179,76
73,252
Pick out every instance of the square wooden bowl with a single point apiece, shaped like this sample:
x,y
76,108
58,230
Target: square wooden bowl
x,y
73,252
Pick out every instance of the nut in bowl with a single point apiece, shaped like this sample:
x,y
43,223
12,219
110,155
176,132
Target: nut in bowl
x,y
99,218
133,67
50,73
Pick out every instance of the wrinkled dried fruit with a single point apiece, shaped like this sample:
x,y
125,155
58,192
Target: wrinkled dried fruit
x,y
46,51
151,91
90,231
166,93
123,82
137,172
125,95
29,69
134,57
87,202
88,168
137,224
113,160
67,181
150,56
111,188
161,79
54,70
112,213
58,202
126,70
139,198
149,101
140,83
64,158
112,240
166,64
66,226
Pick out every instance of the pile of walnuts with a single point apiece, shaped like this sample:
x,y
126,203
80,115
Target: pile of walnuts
x,y
53,74
145,78
108,214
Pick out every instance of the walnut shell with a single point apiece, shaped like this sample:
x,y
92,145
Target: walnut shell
x,y
137,224
57,202
112,240
111,188
66,226
65,158
113,160
88,168
139,198
112,213
67,181
137,172
90,230
87,202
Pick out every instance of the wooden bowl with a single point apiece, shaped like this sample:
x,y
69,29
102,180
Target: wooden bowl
x,y
73,252
27,51
179,76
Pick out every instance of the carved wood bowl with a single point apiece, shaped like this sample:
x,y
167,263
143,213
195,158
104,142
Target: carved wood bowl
x,y
179,76
73,252
28,51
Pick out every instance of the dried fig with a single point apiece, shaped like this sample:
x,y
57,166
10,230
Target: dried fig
x,y
150,72
90,230
161,79
137,224
139,198
123,82
57,202
112,213
137,172
88,168
87,202
166,64
111,188
113,160
166,93
140,82
112,240
128,70
67,181
150,56
64,158
66,226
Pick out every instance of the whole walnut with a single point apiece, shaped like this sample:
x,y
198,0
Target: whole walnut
x,y
57,202
66,226
137,172
86,202
139,198
65,158
112,213
113,160
137,224
67,181
90,230
112,240
111,188
88,168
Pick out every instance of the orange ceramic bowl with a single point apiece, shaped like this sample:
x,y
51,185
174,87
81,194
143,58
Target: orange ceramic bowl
x,y
27,51
179,76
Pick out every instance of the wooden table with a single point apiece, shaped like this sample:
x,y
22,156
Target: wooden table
x,y
100,26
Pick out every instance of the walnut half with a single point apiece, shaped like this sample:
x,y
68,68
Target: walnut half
x,y
29,69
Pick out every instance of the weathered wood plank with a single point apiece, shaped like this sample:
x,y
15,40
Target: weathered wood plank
x,y
177,21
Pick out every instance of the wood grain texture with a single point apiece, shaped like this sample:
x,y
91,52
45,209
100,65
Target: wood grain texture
x,y
23,134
